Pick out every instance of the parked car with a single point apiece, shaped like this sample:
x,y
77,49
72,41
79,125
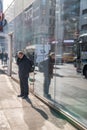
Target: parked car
x,y
68,57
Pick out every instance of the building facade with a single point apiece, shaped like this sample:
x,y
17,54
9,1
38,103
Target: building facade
x,y
83,16
2,39
1,16
67,23
1,5
32,14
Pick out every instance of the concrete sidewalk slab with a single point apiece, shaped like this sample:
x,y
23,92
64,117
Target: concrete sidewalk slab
x,y
30,114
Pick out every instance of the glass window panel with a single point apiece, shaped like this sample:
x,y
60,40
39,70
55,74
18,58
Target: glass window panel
x,y
41,27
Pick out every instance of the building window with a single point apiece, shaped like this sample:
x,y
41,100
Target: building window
x,y
44,2
0,6
52,21
84,11
84,27
52,12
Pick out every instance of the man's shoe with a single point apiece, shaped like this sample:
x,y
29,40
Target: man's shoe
x,y
20,95
49,96
24,97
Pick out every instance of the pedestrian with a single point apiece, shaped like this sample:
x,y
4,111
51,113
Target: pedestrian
x,y
5,58
48,65
2,57
24,65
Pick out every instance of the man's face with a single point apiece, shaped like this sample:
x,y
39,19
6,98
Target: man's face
x,y
53,56
20,56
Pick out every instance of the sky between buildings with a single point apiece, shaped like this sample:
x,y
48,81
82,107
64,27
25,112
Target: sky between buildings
x,y
6,3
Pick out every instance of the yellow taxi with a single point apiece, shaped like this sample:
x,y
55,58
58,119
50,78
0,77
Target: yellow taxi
x,y
68,57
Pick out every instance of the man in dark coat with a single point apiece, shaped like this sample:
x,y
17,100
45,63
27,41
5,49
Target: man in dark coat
x,y
24,65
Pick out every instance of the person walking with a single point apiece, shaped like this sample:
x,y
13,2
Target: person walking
x,y
24,66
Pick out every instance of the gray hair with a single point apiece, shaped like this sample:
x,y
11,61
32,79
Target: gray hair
x,y
20,52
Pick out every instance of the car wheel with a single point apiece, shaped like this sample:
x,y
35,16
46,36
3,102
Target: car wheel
x,y
86,73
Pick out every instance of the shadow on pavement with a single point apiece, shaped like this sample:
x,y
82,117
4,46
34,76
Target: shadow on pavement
x,y
58,75
2,72
33,117
43,114
54,117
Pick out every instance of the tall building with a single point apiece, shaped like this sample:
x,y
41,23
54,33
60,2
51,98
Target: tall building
x,y
67,22
2,40
1,5
37,24
1,16
44,16
83,16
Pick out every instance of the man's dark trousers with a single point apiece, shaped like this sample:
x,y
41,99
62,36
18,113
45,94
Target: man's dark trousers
x,y
24,86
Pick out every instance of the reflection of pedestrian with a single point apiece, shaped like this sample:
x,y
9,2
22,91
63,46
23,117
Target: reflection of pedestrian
x,y
24,65
5,58
48,72
2,57
16,57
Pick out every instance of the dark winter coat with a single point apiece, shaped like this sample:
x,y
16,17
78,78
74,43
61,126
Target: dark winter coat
x,y
24,66
47,66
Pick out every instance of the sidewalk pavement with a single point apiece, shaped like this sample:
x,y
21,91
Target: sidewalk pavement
x,y
30,114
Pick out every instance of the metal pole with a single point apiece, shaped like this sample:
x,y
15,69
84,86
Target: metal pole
x,y
9,54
